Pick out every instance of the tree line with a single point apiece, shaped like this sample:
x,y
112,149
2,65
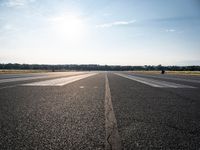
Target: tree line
x,y
91,67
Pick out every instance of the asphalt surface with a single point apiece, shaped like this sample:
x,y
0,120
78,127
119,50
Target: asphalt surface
x,y
76,115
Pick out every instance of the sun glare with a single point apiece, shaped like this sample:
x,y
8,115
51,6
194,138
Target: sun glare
x,y
68,26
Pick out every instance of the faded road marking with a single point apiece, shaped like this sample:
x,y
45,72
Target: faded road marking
x,y
154,83
6,87
21,79
172,78
112,136
42,76
60,81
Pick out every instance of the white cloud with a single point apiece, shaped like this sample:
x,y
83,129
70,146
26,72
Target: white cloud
x,y
55,19
17,3
116,23
8,28
170,30
107,14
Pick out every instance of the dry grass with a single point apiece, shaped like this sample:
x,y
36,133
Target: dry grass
x,y
195,73
13,71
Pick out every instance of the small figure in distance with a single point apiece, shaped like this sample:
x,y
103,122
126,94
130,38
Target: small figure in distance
x,y
163,72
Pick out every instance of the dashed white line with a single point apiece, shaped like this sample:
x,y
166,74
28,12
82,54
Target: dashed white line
x,y
113,141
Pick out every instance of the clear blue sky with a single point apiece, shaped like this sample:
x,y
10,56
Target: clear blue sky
x,y
122,32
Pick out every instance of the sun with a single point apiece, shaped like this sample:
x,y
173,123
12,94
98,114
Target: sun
x,y
68,25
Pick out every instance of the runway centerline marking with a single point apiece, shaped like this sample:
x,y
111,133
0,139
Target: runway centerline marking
x,y
113,140
60,81
153,82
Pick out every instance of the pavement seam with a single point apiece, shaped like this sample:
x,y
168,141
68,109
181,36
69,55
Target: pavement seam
x,y
113,140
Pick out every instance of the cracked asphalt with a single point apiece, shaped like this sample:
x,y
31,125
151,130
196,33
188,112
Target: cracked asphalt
x,y
73,116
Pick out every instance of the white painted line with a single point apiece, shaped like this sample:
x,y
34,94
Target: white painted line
x,y
171,78
154,83
113,141
49,75
60,81
6,87
21,79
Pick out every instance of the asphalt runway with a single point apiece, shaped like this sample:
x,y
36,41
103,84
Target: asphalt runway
x,y
99,110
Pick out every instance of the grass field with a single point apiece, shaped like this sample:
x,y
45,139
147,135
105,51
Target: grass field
x,y
13,71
